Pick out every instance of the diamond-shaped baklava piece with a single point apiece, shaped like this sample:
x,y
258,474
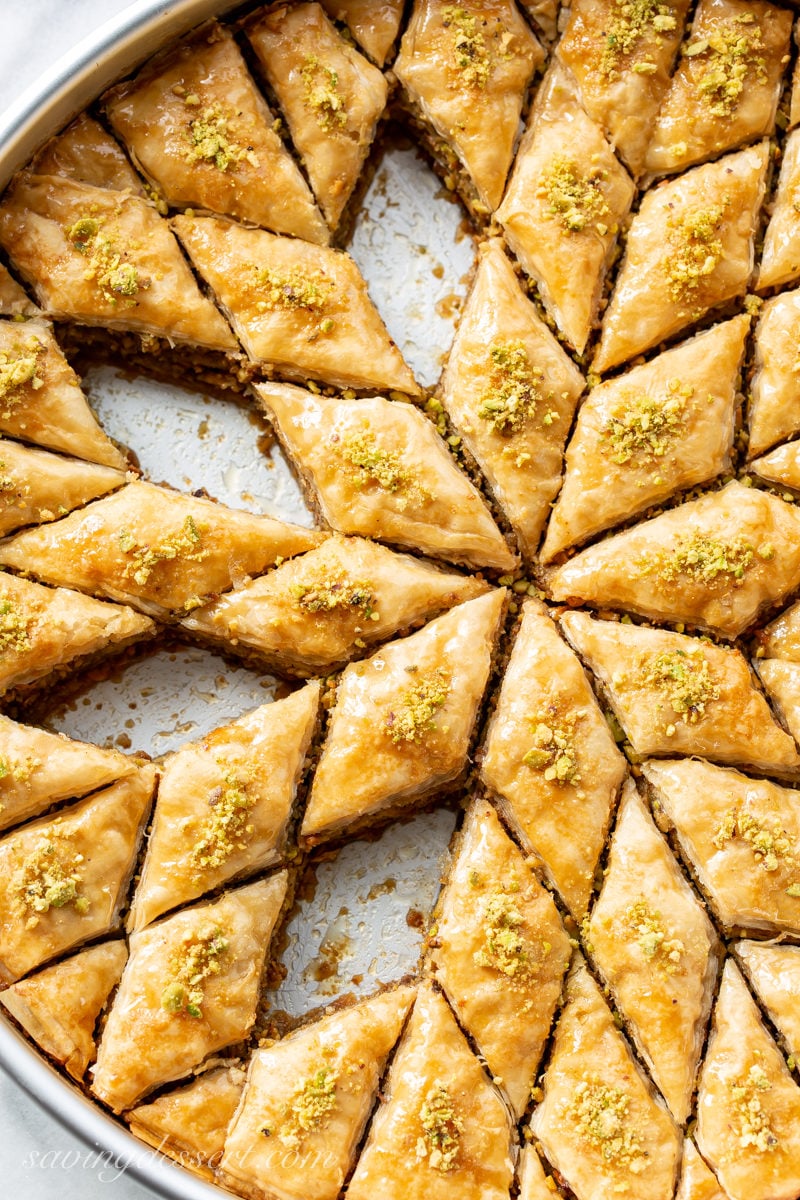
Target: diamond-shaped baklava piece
x,y
313,614
189,1123
224,805
86,152
106,258
690,248
162,551
201,131
748,1105
674,694
41,399
774,412
714,563
44,630
698,1181
190,988
621,56
780,259
332,97
374,26
551,759
58,1007
639,438
36,486
780,466
563,206
38,769
599,1122
442,1129
307,1101
534,1184
774,972
741,837
378,468
63,879
465,69
781,680
403,719
499,952
14,302
726,88
781,638
657,950
299,310
510,391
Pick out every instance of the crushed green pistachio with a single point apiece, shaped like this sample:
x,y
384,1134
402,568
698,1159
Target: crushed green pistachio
x,y
441,1130
414,714
504,946
18,369
335,591
49,877
209,139
686,681
554,751
190,965
513,390
724,59
116,279
185,544
601,1117
471,54
20,770
574,195
707,559
643,427
14,627
630,23
646,925
372,464
695,249
226,827
313,1101
322,95
754,1127
293,288
769,844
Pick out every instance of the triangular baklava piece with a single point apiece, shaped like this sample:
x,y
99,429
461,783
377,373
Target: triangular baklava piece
x,y
781,466
14,302
551,759
307,1101
378,468
534,1184
659,428
674,694
63,879
374,26
725,91
780,259
36,486
189,1123
45,630
510,391
106,258
781,680
224,804
190,988
774,972
38,768
599,1122
41,399
59,1006
201,131
162,551
781,638
690,248
499,952
748,1105
562,209
774,412
313,614
714,563
698,1181
657,950
403,719
332,97
300,310
466,69
621,56
741,836
442,1130
86,152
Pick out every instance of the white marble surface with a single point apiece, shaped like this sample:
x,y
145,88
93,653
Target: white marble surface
x,y
38,1159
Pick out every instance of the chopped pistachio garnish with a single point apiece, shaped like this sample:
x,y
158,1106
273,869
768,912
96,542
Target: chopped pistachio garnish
x,y
313,1101
704,558
471,55
226,827
686,681
20,770
574,195
19,368
372,464
630,23
504,946
14,627
695,249
322,95
184,544
754,1127
600,1114
768,842
49,877
209,140
514,388
414,714
724,59
115,278
336,591
554,751
293,289
441,1129
190,965
643,427
646,925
